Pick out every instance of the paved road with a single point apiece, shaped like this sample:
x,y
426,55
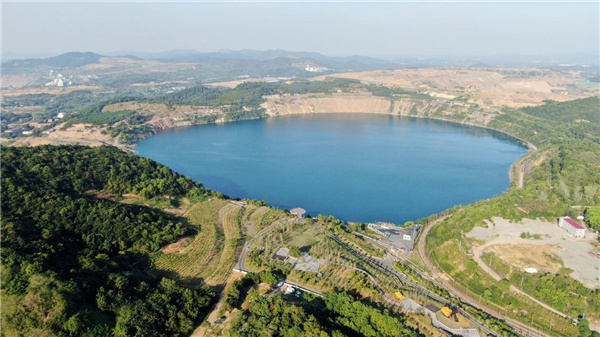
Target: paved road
x,y
241,265
403,279
409,305
522,328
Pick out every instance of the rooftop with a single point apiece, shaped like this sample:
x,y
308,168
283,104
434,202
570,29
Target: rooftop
x,y
573,223
395,235
298,211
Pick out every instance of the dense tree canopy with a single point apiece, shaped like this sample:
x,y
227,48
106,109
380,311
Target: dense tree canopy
x,y
73,263
336,314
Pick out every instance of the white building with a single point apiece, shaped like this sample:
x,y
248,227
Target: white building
x,y
378,229
59,81
315,69
299,212
571,226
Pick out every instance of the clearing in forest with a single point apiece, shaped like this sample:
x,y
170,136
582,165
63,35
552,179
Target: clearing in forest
x,y
230,216
188,259
265,216
575,253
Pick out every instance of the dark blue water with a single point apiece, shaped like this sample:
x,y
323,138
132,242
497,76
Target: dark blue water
x,y
356,167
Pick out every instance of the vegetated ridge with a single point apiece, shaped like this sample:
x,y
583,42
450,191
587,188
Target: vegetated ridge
x,y
562,171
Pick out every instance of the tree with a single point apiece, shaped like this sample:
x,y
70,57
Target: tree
x,y
592,217
295,251
584,328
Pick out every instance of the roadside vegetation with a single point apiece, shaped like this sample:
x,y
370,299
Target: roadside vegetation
x,y
338,313
71,251
568,176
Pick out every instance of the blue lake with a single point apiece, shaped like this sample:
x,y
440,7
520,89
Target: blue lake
x,y
357,167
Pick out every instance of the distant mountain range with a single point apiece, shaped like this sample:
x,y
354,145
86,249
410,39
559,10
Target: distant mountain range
x,y
226,57
72,59
285,58
191,55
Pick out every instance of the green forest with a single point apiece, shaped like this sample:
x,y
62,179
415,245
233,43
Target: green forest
x,y
568,137
73,263
335,314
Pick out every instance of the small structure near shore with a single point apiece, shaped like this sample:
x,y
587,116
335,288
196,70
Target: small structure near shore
x,y
299,212
396,237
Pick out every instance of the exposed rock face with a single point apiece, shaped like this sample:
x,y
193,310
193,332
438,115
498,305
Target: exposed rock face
x,y
316,103
353,102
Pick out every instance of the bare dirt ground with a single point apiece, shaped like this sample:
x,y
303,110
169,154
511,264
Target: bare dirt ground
x,y
228,84
149,84
488,87
76,134
116,65
574,252
523,256
177,247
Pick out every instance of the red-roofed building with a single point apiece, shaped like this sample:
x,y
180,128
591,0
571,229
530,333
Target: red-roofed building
x,y
571,226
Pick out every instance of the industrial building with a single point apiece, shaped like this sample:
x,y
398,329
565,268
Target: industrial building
x,y
571,226
396,236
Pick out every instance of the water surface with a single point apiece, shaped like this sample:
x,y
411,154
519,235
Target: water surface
x,y
357,167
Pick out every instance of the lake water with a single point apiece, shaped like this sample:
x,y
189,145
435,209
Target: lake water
x,y
357,167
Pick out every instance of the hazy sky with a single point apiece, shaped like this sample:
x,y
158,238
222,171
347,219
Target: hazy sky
x,y
373,29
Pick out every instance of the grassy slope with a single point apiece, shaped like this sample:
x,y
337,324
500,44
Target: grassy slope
x,y
200,256
568,176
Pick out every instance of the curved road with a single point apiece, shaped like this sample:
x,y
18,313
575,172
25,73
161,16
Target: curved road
x,y
477,255
403,279
463,297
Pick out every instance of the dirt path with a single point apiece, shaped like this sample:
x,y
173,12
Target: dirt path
x,y
521,176
228,254
478,252
518,169
443,278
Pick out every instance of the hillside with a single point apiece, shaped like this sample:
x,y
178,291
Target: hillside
x,y
74,260
72,59
557,178
99,242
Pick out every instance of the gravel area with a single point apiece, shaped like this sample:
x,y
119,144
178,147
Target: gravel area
x,y
578,254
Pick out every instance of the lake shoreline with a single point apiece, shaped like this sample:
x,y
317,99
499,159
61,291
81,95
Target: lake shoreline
x,y
437,150
132,148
